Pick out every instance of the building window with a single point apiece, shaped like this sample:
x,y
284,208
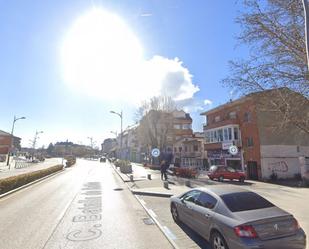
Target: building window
x,y
232,115
207,137
226,135
236,137
230,133
195,147
175,149
186,149
217,118
180,149
177,126
250,142
247,117
187,126
297,149
220,135
215,136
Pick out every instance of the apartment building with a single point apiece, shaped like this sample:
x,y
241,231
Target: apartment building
x,y
5,143
263,148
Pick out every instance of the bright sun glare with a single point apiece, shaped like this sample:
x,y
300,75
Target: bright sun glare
x,y
101,56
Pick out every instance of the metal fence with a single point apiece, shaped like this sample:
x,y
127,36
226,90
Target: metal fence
x,y
22,164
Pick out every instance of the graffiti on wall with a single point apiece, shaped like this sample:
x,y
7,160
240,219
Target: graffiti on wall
x,y
280,166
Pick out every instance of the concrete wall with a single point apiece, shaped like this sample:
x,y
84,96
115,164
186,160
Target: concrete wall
x,y
282,159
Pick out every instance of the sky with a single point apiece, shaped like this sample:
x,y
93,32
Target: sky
x,y
65,65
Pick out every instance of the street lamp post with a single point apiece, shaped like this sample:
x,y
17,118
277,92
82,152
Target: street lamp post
x,y
12,139
121,117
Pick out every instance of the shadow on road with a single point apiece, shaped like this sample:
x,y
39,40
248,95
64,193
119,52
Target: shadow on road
x,y
200,241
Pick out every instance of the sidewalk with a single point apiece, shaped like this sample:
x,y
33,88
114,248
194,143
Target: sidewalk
x,y
5,172
141,185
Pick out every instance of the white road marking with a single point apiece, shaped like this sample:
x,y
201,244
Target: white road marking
x,y
142,201
169,233
152,213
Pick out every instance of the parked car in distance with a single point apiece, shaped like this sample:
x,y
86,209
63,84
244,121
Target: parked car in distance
x,y
222,172
102,159
230,217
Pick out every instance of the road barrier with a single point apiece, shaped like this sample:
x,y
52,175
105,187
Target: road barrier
x,y
22,164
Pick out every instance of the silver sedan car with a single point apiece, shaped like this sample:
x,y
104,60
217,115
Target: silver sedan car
x,y
230,217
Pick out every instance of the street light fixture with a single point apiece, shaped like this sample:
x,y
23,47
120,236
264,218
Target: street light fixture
x,y
12,138
121,117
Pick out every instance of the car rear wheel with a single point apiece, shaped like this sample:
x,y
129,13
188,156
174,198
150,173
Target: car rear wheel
x,y
217,241
221,178
175,213
241,179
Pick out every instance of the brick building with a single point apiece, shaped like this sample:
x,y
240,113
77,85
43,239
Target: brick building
x,y
263,148
5,143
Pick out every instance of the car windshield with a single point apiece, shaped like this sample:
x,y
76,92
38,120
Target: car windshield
x,y
244,201
213,168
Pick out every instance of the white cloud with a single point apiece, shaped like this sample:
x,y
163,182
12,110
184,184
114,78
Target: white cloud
x,y
207,102
172,78
102,57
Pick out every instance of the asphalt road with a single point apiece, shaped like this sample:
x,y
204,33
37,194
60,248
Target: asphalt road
x,y
84,207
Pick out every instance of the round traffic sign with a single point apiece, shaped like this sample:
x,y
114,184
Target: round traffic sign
x,y
233,149
155,152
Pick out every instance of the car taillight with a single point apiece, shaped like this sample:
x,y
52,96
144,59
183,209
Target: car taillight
x,y
296,224
245,231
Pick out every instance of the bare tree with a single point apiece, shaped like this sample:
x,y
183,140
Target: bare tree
x,y
275,32
155,121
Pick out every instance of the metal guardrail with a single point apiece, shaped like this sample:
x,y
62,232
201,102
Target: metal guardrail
x,y
22,164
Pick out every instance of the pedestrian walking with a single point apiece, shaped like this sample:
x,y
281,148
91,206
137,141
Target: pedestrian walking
x,y
166,159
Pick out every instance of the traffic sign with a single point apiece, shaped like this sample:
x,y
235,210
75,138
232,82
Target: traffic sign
x,y
233,149
155,152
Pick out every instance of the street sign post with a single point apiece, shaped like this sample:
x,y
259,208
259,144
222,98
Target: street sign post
x,y
155,152
233,149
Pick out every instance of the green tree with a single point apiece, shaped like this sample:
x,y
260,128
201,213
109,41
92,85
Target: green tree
x,y
50,149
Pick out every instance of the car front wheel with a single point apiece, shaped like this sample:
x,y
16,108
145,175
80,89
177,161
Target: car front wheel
x,y
242,179
217,241
175,214
221,178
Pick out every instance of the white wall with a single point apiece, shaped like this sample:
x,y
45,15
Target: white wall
x,y
282,159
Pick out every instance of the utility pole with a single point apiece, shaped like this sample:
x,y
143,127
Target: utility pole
x,y
121,120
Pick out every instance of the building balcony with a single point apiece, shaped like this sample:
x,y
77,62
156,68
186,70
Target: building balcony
x,y
188,154
221,123
219,145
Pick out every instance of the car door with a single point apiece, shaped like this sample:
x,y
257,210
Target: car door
x,y
203,214
232,173
185,209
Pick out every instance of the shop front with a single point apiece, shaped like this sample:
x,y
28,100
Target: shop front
x,y
223,157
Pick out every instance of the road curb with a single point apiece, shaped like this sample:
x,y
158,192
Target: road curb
x,y
172,242
30,183
157,194
138,192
